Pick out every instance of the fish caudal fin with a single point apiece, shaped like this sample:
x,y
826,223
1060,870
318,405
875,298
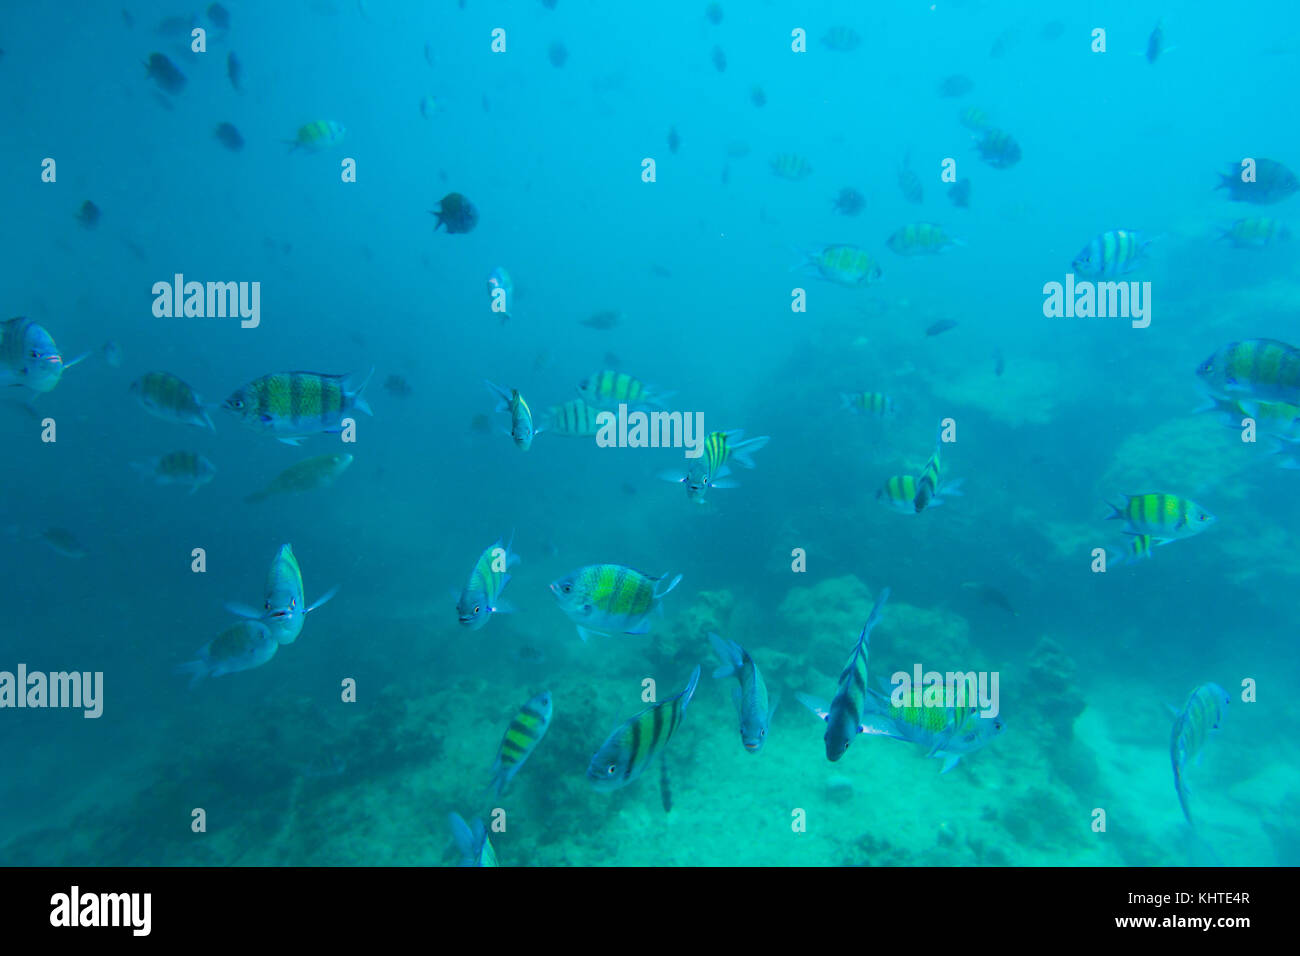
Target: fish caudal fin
x,y
196,670
741,452
729,653
815,704
672,584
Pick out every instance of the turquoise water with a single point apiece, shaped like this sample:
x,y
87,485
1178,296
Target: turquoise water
x,y
1052,417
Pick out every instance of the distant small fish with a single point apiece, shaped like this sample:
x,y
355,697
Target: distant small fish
x,y
241,647
398,385
317,472
921,239
88,214
528,654
63,542
959,193
317,136
455,213
219,16
841,39
635,743
850,202
234,71
611,360
1052,30
791,166
673,139
713,13
875,404
998,149
757,96
1165,517
1255,232
1273,182
1155,43
719,59
1112,253
178,468
660,272
229,137
956,85
843,265
164,73
175,26
557,54
938,328
428,53
168,397
1200,717
991,595
606,319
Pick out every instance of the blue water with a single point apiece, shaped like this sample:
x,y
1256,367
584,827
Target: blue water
x,y
698,264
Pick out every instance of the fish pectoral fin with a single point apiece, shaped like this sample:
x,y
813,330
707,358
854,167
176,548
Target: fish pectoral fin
x,y
295,442
815,704
640,627
949,761
323,598
502,607
584,633
243,610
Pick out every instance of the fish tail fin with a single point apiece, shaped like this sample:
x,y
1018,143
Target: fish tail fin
x,y
500,393
818,706
728,653
741,452
357,400
672,584
874,618
196,670
951,487
846,401
1115,513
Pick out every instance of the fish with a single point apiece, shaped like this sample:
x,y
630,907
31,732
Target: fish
x,y
841,39
608,389
920,239
1168,517
635,743
455,213
673,139
719,59
875,404
398,386
750,697
481,596
526,730
959,194
575,419
285,610
843,265
974,119
999,363
166,396
846,716
601,320
606,599
1253,371
317,136
909,183
234,71
1201,716
713,12
1137,547
219,16
521,416
965,735
1273,182
164,73
711,470
998,149
991,595
958,84
1155,43
790,166
29,358
899,492
938,328
557,54
178,468
927,483
757,96
318,472
289,406
64,542
1255,232
850,202
428,106
482,424
175,26
1114,253
472,842
242,647
229,137
88,214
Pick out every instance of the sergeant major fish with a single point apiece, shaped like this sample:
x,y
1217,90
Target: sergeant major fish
x,y
1114,253
634,744
28,356
522,429
242,647
1200,717
607,599
165,396
1164,517
178,468
710,470
1253,371
750,697
472,842
526,730
481,597
608,389
843,265
318,472
846,716
574,418
292,405
286,605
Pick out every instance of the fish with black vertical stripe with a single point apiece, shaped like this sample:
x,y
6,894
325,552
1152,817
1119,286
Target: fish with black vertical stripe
x,y
634,744
289,406
526,730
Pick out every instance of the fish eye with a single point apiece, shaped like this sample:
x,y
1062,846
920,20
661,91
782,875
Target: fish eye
x,y
846,744
476,608
611,769
763,732
34,354
566,588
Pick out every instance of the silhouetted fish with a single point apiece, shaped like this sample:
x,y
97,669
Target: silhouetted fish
x,y
938,328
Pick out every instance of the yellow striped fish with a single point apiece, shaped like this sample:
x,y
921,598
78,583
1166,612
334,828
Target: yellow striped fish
x,y
165,396
921,239
843,265
178,468
791,166
711,470
1137,548
292,405
1166,517
899,493
521,416
526,730
481,597
1253,370
1200,717
608,389
927,483
1255,232
846,715
285,609
635,743
574,418
875,404
313,137
609,599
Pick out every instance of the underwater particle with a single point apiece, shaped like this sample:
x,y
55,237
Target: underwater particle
x,y
959,194
956,85
456,213
557,54
1052,29
998,149
219,16
164,73
757,96
318,135
850,202
713,13
839,788
1273,183
999,363
719,59
88,214
233,71
549,4
673,139
398,386
229,137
